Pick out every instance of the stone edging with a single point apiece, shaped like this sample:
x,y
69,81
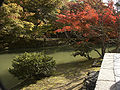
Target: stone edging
x,y
109,76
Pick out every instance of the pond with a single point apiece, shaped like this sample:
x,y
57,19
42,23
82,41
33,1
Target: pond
x,y
60,54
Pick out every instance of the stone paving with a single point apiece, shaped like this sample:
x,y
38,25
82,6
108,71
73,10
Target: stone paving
x,y
109,76
117,70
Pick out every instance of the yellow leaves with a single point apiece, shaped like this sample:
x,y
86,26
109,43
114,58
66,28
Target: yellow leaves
x,y
41,23
28,14
58,10
10,16
12,8
20,25
28,25
11,11
4,9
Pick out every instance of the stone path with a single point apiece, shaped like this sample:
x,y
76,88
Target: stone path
x,y
117,70
109,76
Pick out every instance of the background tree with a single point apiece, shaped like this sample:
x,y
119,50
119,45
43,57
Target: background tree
x,y
35,19
43,13
12,26
88,26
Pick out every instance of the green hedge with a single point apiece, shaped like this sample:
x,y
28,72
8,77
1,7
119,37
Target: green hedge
x,y
30,65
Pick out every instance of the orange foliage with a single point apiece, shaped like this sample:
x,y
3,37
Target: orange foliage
x,y
82,20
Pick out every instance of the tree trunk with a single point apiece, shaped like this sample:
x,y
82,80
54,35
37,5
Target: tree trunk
x,y
88,56
103,48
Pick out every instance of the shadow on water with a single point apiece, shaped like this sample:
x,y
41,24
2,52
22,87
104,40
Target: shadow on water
x,y
8,80
73,68
48,50
24,83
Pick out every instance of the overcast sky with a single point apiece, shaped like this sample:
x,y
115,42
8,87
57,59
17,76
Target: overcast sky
x,y
105,1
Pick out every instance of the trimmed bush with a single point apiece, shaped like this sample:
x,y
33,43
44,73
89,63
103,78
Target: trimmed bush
x,y
30,65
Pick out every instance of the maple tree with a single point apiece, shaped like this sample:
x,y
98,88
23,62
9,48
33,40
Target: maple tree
x,y
89,26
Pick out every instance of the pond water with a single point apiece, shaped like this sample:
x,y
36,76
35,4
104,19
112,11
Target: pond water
x,y
60,54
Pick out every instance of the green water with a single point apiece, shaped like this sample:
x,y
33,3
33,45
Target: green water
x,y
6,78
60,54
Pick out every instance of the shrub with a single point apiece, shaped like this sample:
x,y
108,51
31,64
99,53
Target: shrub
x,y
30,65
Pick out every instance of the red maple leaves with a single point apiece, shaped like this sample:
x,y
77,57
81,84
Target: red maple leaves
x,y
83,18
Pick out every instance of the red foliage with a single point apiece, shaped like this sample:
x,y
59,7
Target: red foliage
x,y
82,20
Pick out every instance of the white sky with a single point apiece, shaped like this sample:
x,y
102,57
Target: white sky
x,y
106,1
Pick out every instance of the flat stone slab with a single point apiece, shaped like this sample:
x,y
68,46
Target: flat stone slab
x,y
105,85
108,56
109,76
117,70
107,64
106,75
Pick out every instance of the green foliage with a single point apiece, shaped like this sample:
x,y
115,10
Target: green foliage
x,y
26,19
43,9
83,49
10,18
30,65
40,12
12,26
